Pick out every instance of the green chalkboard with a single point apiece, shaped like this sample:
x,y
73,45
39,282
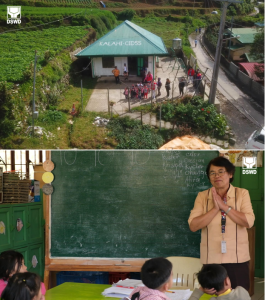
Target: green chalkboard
x,y
126,204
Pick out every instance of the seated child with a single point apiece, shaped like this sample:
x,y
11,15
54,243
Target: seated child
x,y
12,262
214,280
157,276
23,286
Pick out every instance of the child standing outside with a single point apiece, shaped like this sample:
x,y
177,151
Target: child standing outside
x,y
126,92
159,84
157,276
23,286
153,89
145,91
12,262
213,279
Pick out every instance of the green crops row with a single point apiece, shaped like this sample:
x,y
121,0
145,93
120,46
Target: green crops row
x,y
18,49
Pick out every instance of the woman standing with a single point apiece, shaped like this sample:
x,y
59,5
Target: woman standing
x,y
167,86
223,213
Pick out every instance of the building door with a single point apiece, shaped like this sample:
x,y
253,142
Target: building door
x,y
142,62
136,64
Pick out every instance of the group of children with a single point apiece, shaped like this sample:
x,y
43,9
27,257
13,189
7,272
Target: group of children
x,y
157,276
141,90
15,282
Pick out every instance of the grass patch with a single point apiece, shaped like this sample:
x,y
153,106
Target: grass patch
x,y
85,135
73,94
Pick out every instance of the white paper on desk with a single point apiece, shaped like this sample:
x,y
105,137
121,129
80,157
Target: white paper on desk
x,y
129,283
117,292
179,294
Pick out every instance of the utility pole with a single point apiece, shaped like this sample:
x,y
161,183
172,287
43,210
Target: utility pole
x,y
33,100
232,20
218,51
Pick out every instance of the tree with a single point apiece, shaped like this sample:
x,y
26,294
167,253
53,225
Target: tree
x,y
257,48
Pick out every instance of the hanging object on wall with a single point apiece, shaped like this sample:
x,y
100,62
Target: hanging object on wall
x,y
34,261
47,189
19,224
47,177
2,227
48,165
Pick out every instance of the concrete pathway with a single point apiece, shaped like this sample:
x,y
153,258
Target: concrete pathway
x,y
106,87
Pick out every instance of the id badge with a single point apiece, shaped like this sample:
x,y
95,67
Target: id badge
x,y
223,246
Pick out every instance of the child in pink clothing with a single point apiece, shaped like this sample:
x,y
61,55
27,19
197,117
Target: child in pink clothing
x,y
145,91
12,262
157,276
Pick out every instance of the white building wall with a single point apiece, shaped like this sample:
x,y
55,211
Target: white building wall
x,y
119,62
100,71
150,65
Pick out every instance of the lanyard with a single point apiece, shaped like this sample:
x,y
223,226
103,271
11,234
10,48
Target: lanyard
x,y
223,216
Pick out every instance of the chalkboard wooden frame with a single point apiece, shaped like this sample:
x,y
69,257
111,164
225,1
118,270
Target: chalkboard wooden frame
x,y
81,263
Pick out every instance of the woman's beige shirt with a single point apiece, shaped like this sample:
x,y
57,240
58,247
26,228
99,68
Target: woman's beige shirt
x,y
236,236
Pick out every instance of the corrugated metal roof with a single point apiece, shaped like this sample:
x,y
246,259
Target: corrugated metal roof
x,y
249,68
126,39
246,34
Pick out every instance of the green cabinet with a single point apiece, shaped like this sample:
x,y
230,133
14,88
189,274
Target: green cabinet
x,y
22,229
5,227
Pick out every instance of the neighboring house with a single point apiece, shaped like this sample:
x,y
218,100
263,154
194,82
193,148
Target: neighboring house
x,y
239,45
127,43
259,24
248,68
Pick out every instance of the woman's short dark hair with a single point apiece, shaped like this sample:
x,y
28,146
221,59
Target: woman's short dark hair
x,y
221,161
8,261
22,286
155,272
212,276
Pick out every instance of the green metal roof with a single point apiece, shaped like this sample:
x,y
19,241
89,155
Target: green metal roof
x,y
246,34
124,40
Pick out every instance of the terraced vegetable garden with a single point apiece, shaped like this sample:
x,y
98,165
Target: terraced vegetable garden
x,y
17,49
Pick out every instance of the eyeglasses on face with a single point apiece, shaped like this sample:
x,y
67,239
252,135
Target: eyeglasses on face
x,y
219,173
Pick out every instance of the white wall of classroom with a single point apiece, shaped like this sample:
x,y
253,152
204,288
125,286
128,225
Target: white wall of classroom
x,y
98,69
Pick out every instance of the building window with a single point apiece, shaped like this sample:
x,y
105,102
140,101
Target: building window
x,y
108,62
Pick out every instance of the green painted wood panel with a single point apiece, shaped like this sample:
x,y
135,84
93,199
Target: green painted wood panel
x,y
6,228
20,237
36,259
126,203
35,229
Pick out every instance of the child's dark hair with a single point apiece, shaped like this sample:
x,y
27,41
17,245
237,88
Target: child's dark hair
x,y
22,286
155,272
212,276
8,261
221,161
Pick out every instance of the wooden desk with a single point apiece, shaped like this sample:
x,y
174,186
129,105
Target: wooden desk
x,y
77,291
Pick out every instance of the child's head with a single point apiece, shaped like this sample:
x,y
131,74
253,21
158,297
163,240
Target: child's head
x,y
156,274
11,262
23,286
214,276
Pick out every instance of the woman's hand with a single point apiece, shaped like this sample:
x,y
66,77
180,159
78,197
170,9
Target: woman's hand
x,y
217,201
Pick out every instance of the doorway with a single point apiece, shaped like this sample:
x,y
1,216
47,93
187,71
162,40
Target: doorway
x,y
136,64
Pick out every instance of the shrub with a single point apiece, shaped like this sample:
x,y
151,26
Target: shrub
x,y
126,14
197,114
130,134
